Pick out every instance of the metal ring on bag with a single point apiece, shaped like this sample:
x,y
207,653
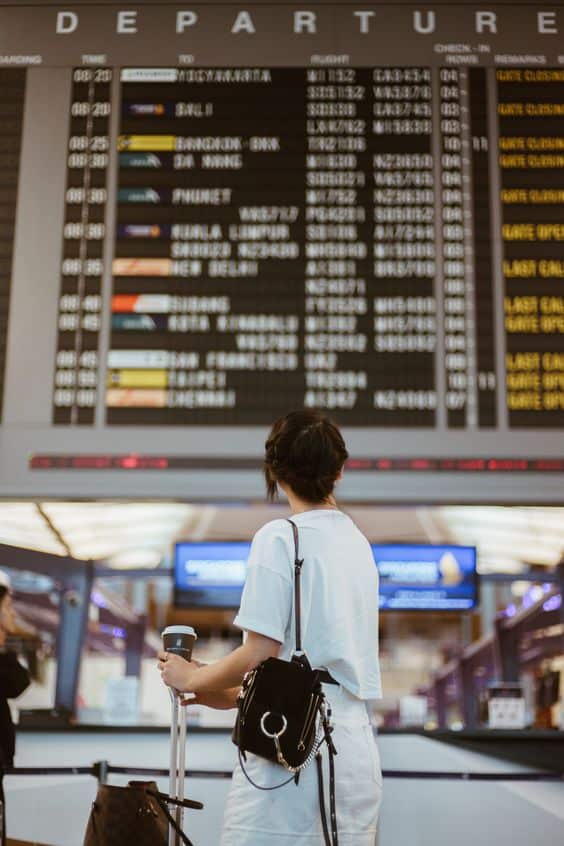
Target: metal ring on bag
x,y
275,733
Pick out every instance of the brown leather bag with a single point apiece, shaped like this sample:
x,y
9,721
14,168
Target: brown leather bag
x,y
136,815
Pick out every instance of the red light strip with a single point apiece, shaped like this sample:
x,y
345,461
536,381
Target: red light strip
x,y
134,462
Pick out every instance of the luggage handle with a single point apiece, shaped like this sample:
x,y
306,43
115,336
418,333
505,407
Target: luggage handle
x,y
185,803
162,803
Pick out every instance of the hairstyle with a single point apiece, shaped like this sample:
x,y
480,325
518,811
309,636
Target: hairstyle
x,y
4,591
306,451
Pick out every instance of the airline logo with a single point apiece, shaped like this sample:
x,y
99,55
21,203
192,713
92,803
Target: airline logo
x,y
142,195
140,160
137,143
144,303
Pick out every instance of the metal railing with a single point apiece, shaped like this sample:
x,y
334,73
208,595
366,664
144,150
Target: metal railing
x,y
100,770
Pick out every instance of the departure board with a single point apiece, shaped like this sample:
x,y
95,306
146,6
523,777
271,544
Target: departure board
x,y
80,302
277,260
12,90
211,216
531,158
277,245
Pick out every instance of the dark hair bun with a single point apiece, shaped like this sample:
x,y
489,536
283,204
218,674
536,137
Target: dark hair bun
x,y
306,451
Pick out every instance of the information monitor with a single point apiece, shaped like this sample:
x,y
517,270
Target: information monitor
x,y
209,574
412,577
417,577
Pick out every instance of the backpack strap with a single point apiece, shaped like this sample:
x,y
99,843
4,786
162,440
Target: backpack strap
x,y
333,838
298,562
323,675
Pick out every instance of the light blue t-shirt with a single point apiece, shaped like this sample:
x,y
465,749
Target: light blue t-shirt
x,y
339,602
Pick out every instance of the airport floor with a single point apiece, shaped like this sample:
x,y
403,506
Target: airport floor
x,y
419,813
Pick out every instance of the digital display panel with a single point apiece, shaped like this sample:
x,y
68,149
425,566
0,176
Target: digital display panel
x,y
412,577
209,575
12,94
426,578
292,258
212,217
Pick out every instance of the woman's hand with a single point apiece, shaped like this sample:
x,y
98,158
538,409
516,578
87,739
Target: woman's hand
x,y
176,672
225,674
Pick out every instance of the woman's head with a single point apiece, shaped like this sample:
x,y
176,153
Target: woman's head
x,y
305,451
7,613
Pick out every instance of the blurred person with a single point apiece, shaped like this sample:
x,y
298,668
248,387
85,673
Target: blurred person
x,y
14,679
304,457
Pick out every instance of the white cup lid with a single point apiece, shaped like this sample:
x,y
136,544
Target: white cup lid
x,y
180,630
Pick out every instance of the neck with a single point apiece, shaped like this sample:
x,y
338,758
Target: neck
x,y
298,506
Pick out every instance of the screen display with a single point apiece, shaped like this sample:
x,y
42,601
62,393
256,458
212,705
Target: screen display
x,y
279,238
210,575
429,578
258,270
12,97
209,218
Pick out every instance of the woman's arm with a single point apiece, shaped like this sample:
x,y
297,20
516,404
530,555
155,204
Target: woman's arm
x,y
226,673
221,700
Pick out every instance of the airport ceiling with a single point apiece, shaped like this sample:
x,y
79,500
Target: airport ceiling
x,y
142,534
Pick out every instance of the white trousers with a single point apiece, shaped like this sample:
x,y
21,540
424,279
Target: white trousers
x,y
290,816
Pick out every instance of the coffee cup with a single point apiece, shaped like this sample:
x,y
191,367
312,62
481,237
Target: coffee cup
x,y
179,640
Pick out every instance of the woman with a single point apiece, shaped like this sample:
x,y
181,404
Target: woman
x,y
13,681
305,454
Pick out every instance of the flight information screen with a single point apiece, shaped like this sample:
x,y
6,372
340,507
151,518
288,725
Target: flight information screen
x,y
272,218
289,238
412,577
426,577
358,211
12,92
210,574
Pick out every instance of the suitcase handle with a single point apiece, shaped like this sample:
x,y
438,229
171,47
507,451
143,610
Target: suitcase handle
x,y
162,803
185,803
